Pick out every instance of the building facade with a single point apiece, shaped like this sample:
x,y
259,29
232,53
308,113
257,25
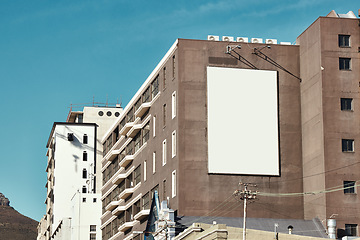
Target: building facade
x,y
73,190
329,68
216,113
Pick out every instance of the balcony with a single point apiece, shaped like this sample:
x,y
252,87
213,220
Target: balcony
x,y
120,177
124,130
137,127
128,191
127,226
142,214
145,106
112,205
126,160
134,130
118,210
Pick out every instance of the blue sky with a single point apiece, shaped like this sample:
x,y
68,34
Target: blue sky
x,y
54,53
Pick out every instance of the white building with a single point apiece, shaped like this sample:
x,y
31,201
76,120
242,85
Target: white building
x,y
73,174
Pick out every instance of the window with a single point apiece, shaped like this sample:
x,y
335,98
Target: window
x,y
164,78
84,173
146,95
137,175
85,139
173,65
92,236
173,144
84,199
344,40
173,105
347,145
346,104
146,201
146,133
164,152
84,189
349,186
351,229
84,156
92,228
154,125
145,169
94,200
164,190
154,162
136,207
155,87
173,183
344,63
164,115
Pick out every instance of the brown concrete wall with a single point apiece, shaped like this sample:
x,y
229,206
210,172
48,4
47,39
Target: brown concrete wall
x,y
324,124
205,194
340,166
312,120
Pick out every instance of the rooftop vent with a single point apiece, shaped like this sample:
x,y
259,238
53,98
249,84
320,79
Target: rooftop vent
x,y
228,38
257,40
242,39
213,38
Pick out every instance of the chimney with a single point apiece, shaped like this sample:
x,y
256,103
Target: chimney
x,y
331,224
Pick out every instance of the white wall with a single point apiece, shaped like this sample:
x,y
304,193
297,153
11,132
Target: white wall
x,y
69,166
242,121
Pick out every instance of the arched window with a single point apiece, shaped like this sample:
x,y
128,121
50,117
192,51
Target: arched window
x,y
85,156
85,139
84,173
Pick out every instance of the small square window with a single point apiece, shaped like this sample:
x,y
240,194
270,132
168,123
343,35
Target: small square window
x,y
94,200
346,104
349,186
344,40
344,63
351,229
84,199
92,228
347,145
92,236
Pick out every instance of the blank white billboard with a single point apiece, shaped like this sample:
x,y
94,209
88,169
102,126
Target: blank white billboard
x,y
242,121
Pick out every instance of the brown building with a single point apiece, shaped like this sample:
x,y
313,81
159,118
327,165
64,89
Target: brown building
x,y
216,113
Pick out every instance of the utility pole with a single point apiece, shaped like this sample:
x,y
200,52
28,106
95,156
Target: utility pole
x,y
245,195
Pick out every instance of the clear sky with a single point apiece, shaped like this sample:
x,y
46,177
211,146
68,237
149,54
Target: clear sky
x,y
54,53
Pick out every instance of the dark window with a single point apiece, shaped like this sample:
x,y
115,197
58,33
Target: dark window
x,y
344,40
164,78
155,87
92,228
101,113
92,236
349,186
84,175
347,145
84,156
117,114
344,63
137,175
173,65
70,136
84,199
164,115
94,200
346,104
351,229
85,139
84,189
108,113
